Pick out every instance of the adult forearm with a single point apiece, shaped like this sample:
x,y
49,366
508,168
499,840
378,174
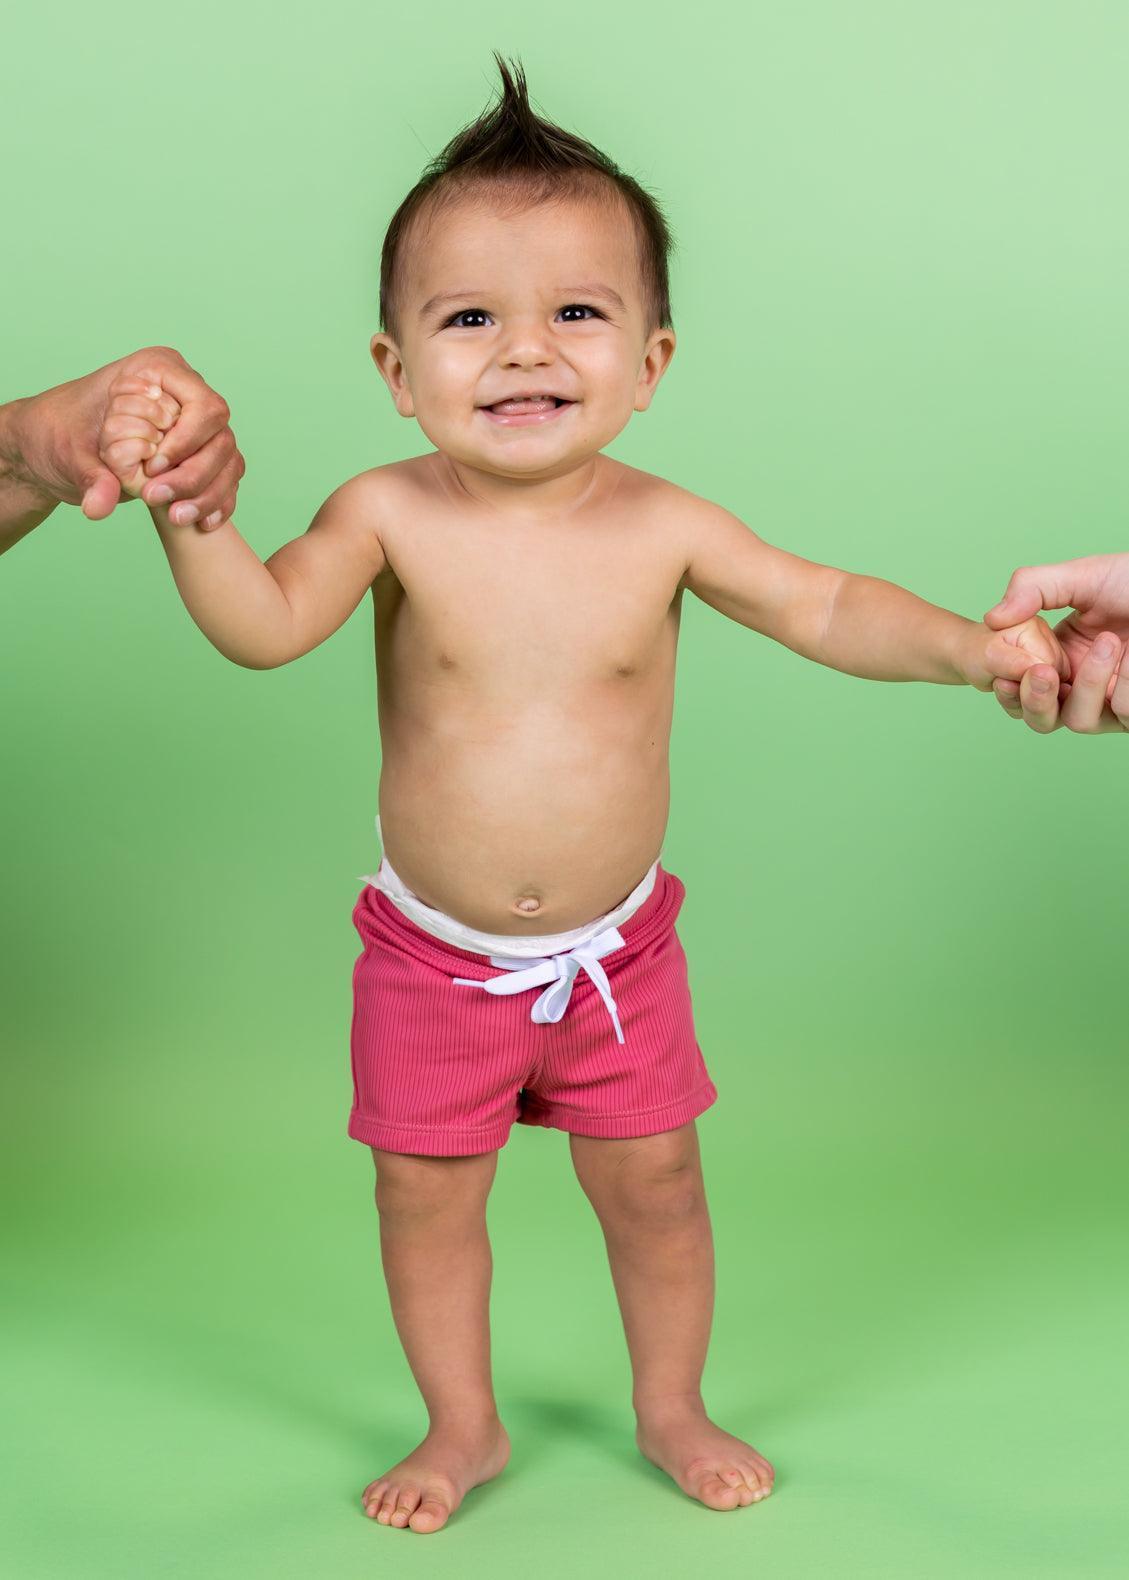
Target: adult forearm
x,y
23,503
229,592
883,632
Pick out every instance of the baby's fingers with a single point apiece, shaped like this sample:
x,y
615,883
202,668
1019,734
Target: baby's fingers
x,y
1005,661
125,458
161,413
142,396
125,425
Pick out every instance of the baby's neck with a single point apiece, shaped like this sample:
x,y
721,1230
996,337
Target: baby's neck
x,y
567,492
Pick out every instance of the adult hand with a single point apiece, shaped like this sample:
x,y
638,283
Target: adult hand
x,y
1094,636
55,436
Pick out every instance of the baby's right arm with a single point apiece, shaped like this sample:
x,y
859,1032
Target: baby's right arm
x,y
261,615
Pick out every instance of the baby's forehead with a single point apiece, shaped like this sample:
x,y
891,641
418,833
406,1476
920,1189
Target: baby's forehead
x,y
548,249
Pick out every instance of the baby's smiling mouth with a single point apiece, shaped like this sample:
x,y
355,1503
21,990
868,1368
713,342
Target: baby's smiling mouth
x,y
516,405
532,411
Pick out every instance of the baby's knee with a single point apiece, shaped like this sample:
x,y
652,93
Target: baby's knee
x,y
410,1185
659,1187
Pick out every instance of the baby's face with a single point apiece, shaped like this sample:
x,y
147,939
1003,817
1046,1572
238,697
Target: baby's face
x,y
548,302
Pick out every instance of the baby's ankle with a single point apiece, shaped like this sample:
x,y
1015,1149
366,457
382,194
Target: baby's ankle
x,y
652,1407
466,1420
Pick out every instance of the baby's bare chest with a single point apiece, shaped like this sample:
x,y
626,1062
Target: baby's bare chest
x,y
541,611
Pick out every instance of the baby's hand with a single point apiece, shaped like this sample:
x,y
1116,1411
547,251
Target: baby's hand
x,y
1008,654
138,413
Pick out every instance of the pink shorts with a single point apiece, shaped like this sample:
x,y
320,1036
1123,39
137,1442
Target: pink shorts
x,y
445,1069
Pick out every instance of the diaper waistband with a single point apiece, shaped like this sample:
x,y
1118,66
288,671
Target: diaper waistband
x,y
522,947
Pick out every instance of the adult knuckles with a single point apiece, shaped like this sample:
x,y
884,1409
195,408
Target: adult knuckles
x,y
156,351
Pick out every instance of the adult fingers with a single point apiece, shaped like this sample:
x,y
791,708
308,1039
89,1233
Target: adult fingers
x,y
1085,709
1038,699
217,503
1067,585
1119,699
1007,695
192,478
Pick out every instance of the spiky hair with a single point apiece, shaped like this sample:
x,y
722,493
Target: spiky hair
x,y
513,159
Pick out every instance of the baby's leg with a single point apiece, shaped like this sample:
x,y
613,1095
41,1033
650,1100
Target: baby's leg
x,y
437,1264
649,1196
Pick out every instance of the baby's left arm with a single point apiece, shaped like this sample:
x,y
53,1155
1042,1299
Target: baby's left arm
x,y
861,625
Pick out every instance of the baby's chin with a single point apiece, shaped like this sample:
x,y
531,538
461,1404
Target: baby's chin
x,y
513,463
528,456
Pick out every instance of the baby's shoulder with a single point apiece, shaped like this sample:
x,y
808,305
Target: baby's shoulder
x,y
660,494
682,515
386,489
369,499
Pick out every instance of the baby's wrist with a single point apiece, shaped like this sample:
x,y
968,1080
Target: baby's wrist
x,y
967,653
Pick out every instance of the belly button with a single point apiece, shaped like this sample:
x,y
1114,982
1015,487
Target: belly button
x,y
527,904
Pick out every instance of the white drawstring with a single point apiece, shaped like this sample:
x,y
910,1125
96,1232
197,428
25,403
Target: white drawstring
x,y
561,972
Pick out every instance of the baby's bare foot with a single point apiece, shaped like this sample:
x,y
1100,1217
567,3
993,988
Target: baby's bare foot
x,y
424,1489
711,1465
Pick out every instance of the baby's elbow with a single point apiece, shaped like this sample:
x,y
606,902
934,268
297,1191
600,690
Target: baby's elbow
x,y
264,661
254,658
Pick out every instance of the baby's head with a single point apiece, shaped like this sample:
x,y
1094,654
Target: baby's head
x,y
523,262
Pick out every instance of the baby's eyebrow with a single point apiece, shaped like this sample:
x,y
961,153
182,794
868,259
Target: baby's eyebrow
x,y
605,292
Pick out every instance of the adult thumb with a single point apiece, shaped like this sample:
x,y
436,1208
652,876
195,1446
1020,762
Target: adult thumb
x,y
1026,594
101,493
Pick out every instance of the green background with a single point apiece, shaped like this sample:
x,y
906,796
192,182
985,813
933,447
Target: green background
x,y
900,301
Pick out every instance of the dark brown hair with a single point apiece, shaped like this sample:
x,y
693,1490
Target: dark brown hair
x,y
511,156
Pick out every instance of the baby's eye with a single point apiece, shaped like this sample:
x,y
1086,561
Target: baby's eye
x,y
480,312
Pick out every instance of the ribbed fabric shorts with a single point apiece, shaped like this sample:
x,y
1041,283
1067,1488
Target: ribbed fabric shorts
x,y
445,1067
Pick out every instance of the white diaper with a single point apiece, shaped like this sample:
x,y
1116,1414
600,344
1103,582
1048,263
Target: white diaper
x,y
517,947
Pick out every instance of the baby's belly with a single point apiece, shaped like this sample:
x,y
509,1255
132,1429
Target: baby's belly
x,y
531,825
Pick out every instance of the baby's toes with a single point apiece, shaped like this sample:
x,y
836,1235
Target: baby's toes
x,y
431,1514
764,1468
406,1504
758,1481
372,1497
718,1493
388,1505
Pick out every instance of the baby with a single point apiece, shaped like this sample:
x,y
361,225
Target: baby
x,y
520,960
